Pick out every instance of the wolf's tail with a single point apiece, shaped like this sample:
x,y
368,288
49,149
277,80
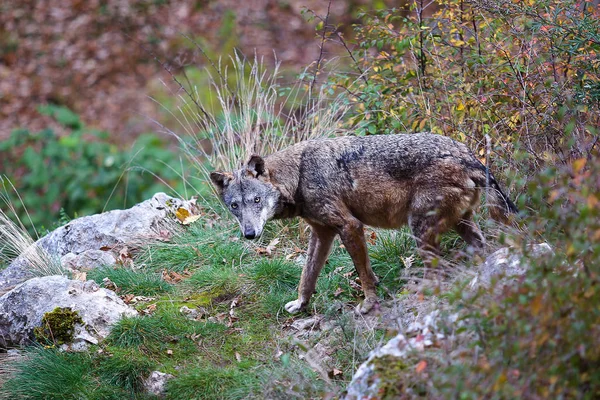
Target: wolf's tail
x,y
501,207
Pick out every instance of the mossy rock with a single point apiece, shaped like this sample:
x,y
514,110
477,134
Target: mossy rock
x,y
387,370
58,326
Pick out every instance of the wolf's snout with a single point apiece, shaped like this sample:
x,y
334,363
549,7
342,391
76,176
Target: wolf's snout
x,y
249,233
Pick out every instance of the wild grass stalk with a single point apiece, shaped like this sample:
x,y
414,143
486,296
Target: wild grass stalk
x,y
15,242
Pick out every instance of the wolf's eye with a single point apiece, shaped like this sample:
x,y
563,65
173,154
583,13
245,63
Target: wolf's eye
x,y
234,205
257,199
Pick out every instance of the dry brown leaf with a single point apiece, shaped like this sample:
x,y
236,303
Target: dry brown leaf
x,y
80,276
150,309
372,238
190,219
335,374
421,366
128,298
108,284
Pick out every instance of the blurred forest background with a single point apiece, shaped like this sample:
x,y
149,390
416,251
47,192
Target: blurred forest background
x,y
83,82
89,88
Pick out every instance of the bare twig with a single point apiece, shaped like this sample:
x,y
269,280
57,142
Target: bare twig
x,y
320,59
181,86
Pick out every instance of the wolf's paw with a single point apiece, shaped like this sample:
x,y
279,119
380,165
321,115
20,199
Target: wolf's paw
x,y
367,305
294,307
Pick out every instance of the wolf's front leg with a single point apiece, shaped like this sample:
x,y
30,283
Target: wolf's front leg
x,y
318,249
353,237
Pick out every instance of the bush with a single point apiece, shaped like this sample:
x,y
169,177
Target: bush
x,y
524,73
82,173
537,336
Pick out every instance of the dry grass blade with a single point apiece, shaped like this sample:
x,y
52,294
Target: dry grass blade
x,y
15,242
253,116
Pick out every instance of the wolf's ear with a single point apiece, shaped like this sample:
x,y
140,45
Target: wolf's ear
x,y
221,180
256,167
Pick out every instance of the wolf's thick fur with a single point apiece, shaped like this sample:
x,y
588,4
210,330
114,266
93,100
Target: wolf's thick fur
x,y
430,182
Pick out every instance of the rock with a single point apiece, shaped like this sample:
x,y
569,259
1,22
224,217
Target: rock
x,y
87,241
89,259
22,310
367,382
156,384
309,323
193,313
508,263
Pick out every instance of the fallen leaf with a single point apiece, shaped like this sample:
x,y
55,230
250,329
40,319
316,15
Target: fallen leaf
x,y
109,284
190,219
182,214
174,277
238,357
421,366
128,298
80,276
372,238
272,244
234,304
408,261
579,164
335,374
150,309
269,249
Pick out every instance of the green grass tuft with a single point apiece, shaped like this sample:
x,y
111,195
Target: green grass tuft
x,y
140,282
222,279
213,382
126,369
49,374
137,332
275,273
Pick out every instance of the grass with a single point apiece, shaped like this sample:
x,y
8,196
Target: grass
x,y
15,241
128,281
240,348
43,373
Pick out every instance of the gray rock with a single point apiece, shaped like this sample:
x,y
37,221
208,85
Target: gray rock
x,y
430,332
508,263
87,241
89,259
156,384
22,309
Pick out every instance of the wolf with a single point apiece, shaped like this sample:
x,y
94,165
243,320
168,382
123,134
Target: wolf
x,y
338,185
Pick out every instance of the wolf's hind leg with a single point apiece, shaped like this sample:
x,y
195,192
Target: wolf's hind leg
x,y
353,237
470,232
427,235
319,246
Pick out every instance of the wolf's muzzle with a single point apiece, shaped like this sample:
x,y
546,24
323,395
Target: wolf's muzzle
x,y
249,233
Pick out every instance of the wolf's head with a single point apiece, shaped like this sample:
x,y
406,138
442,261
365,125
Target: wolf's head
x,y
249,195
